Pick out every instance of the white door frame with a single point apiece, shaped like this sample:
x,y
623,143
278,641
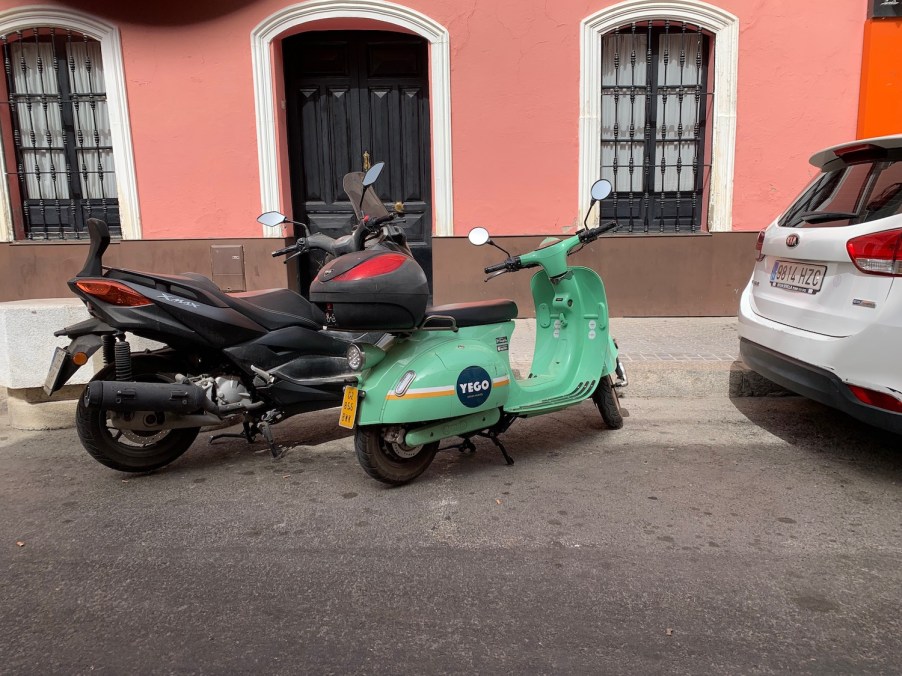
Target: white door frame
x,y
285,19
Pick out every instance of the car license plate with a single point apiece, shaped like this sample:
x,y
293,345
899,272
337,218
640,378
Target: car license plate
x,y
796,276
59,358
348,408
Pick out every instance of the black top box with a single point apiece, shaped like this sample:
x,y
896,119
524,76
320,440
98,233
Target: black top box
x,y
372,290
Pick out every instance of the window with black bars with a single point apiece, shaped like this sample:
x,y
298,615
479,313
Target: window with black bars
x,y
57,123
655,98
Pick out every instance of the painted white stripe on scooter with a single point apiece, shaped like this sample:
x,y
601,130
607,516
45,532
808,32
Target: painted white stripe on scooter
x,y
423,393
447,391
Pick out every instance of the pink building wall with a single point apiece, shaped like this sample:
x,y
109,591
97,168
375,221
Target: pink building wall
x,y
514,107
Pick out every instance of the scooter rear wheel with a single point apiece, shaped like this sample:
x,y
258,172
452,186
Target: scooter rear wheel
x,y
608,403
131,451
388,461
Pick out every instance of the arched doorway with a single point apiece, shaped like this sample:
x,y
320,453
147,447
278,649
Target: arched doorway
x,y
354,98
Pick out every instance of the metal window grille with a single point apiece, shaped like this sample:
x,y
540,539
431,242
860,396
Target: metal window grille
x,y
57,122
655,99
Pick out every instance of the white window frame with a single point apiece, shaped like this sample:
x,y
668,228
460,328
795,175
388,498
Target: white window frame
x,y
25,18
725,28
277,24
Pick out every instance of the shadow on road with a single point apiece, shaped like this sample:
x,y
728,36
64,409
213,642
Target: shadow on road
x,y
825,433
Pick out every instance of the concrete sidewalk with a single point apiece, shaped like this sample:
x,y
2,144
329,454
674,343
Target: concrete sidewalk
x,y
671,357
663,357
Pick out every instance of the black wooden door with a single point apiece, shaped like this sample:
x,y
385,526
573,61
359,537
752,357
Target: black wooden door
x,y
355,98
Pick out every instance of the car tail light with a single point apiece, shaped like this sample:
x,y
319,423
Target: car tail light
x,y
114,293
377,265
878,399
860,152
878,253
759,245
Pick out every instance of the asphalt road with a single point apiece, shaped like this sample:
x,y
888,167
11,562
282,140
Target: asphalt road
x,y
707,536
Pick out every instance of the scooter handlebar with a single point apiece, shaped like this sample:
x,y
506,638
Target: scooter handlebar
x,y
592,234
509,265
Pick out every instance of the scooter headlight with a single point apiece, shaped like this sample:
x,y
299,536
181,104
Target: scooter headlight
x,y
356,358
364,356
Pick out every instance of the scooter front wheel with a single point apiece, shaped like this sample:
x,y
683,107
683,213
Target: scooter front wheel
x,y
608,403
388,460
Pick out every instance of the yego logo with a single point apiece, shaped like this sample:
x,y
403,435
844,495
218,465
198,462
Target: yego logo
x,y
474,385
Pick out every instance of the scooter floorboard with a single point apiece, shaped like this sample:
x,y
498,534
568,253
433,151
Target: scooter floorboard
x,y
583,390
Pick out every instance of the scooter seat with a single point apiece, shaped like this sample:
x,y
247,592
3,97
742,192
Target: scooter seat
x,y
475,313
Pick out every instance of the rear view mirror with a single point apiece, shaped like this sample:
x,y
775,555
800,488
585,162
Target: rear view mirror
x,y
271,218
601,189
478,236
372,174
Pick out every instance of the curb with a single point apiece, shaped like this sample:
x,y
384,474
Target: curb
x,y
665,380
647,379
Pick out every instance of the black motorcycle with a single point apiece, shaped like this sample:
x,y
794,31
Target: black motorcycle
x,y
257,357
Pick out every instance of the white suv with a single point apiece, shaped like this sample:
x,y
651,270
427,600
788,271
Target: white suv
x,y
822,313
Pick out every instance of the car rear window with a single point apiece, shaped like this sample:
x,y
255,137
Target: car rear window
x,y
854,193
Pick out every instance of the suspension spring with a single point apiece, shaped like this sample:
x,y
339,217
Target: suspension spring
x,y
123,360
109,353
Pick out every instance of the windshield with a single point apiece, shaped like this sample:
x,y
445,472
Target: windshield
x,y
854,193
372,205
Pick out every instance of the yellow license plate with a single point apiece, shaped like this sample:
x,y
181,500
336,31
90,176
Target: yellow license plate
x,y
348,408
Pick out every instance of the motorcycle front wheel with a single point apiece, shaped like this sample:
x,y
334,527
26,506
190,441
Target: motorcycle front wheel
x,y
391,462
131,450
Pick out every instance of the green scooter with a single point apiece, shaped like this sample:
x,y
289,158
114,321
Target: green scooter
x,y
450,375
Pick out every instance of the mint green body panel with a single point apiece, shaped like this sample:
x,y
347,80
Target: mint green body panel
x,y
451,428
437,358
574,350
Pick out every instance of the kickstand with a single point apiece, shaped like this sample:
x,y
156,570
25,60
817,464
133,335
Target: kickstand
x,y
495,440
267,434
465,446
249,434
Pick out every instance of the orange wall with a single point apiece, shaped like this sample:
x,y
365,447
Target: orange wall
x,y
880,110
514,97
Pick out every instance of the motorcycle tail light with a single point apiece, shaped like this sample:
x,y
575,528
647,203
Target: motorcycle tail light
x,y
878,253
878,399
114,293
377,265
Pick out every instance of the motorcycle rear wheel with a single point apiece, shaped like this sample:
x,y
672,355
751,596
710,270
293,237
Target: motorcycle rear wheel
x,y
608,403
132,451
390,462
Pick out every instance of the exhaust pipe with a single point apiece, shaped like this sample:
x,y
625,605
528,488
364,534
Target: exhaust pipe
x,y
165,397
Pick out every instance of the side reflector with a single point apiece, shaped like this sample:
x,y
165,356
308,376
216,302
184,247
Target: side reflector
x,y
878,399
80,358
877,253
114,293
377,265
404,383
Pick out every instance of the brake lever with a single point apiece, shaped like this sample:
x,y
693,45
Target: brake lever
x,y
294,255
495,274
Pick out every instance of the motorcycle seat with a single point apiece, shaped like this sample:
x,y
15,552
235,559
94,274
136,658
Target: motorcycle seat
x,y
277,308
475,313
270,308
